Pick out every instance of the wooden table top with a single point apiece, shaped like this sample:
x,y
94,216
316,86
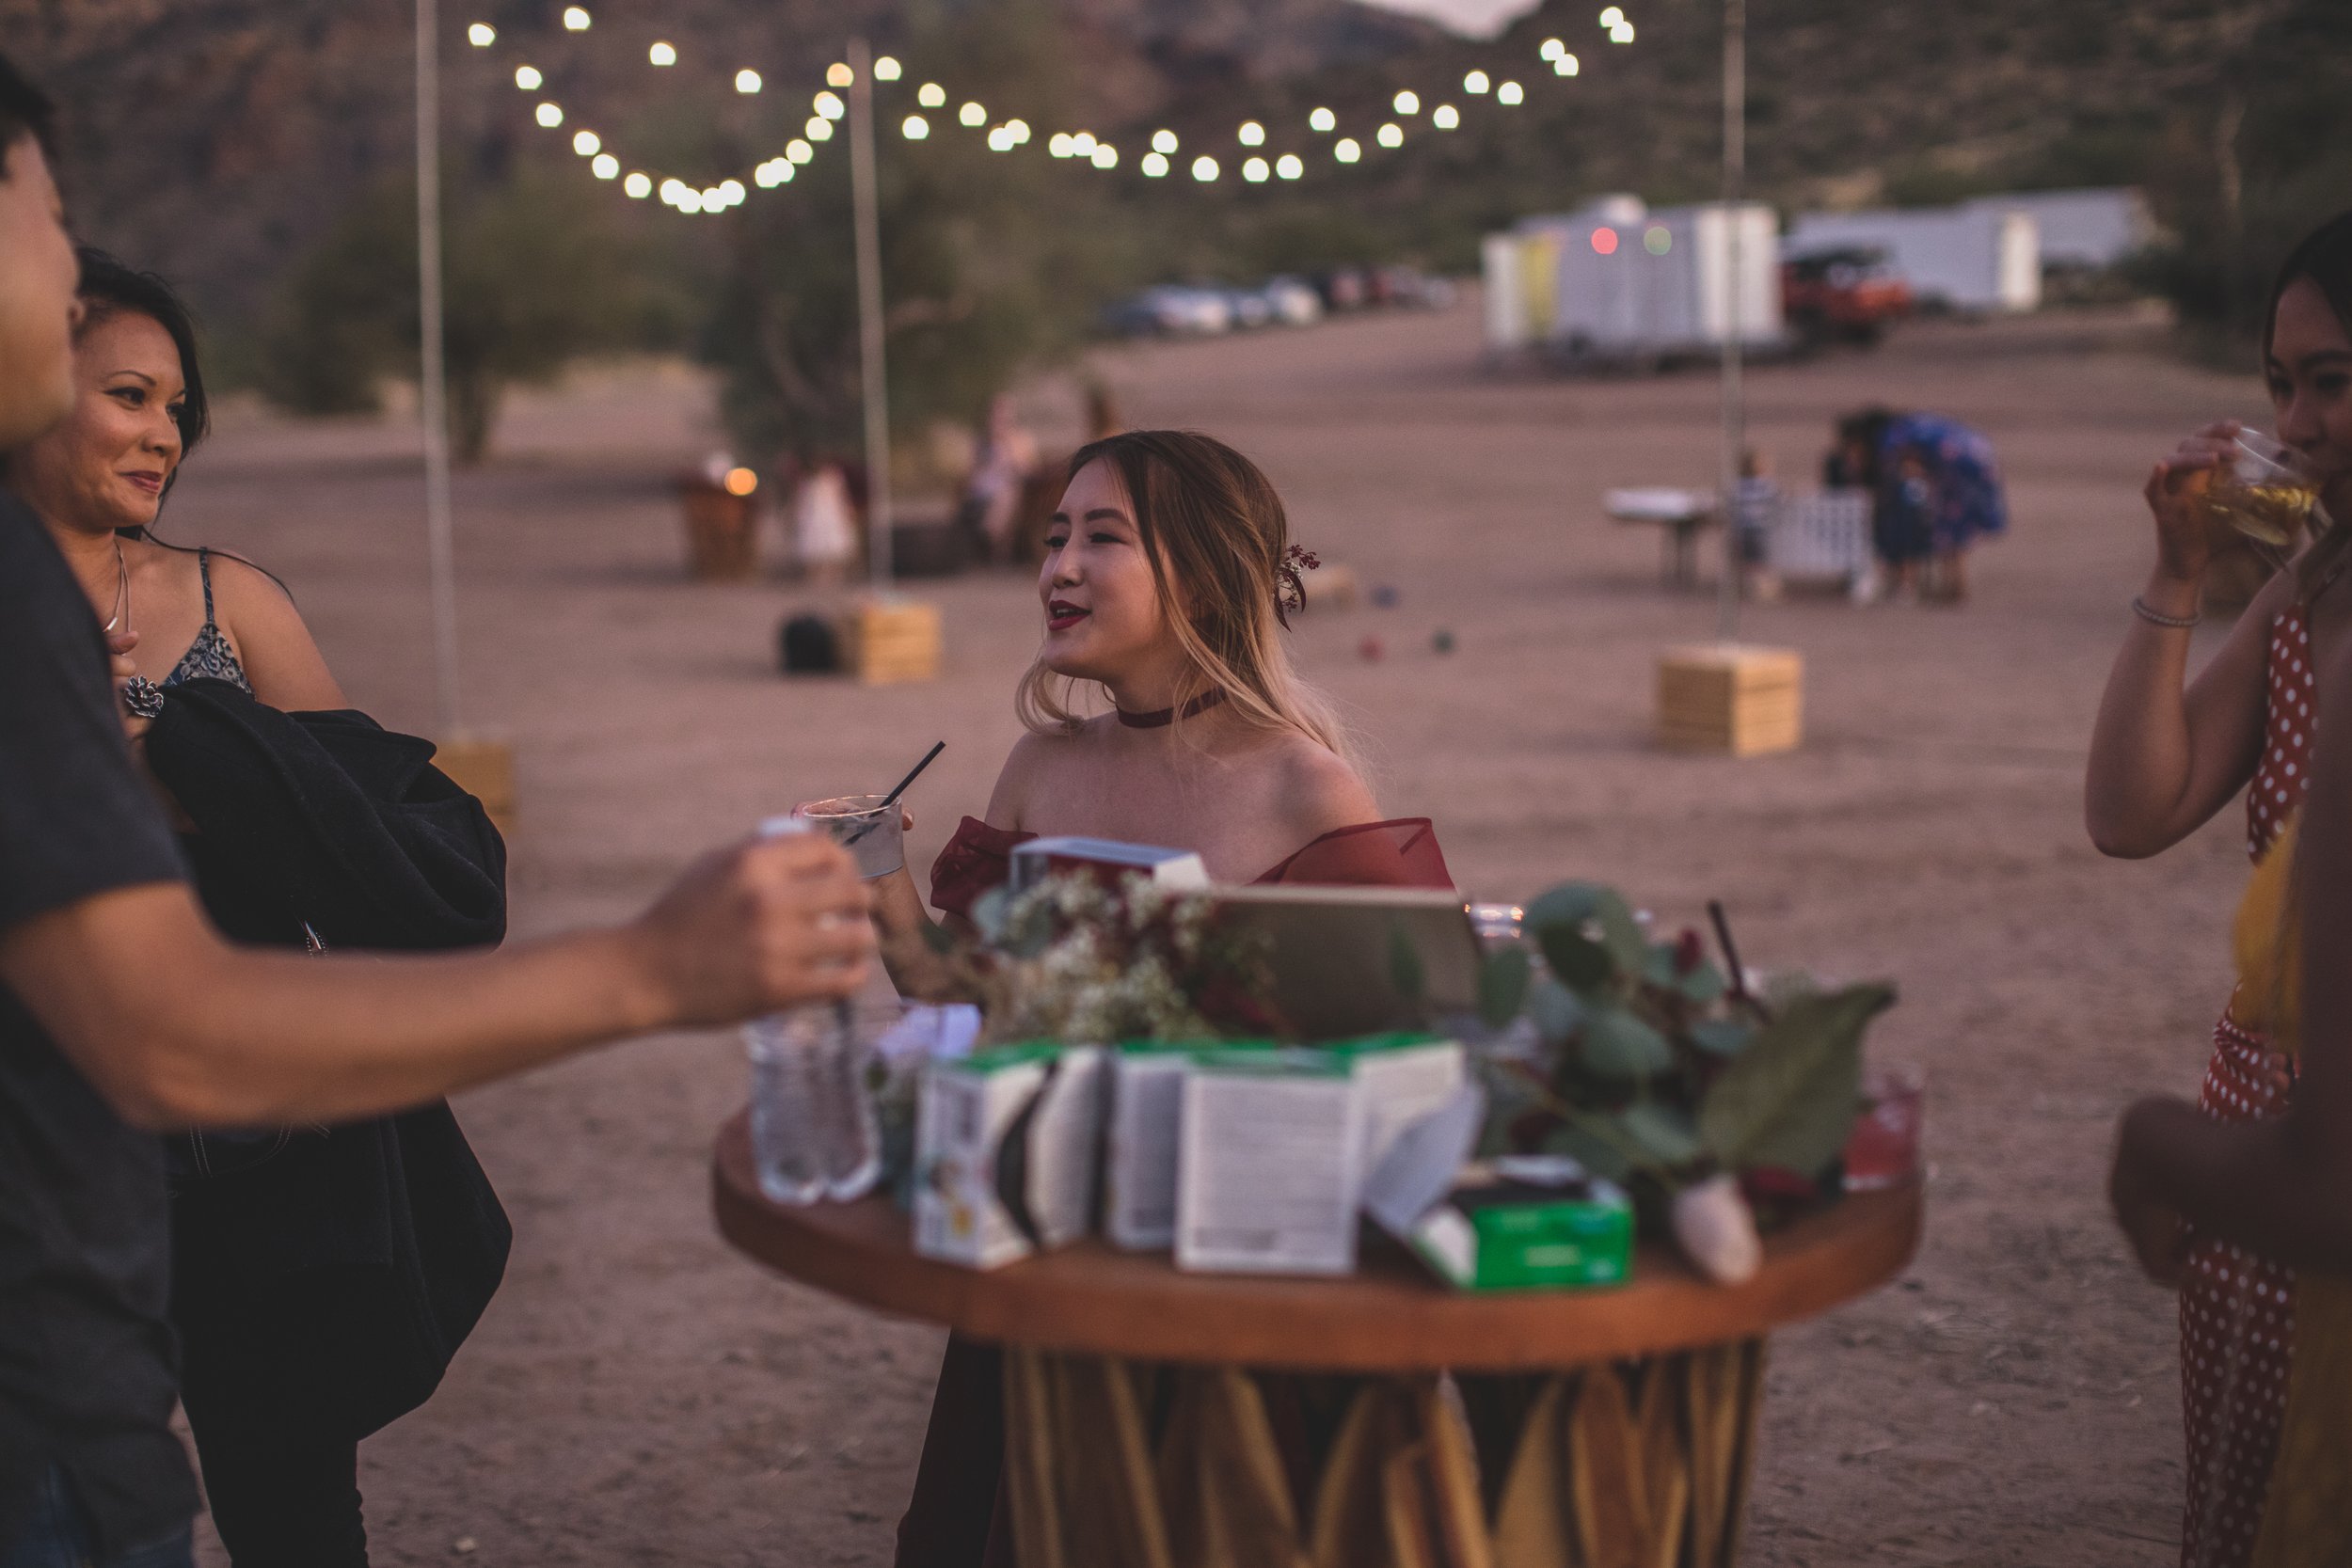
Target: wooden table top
x,y
1390,1316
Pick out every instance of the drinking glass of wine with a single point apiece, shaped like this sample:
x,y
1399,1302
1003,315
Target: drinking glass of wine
x,y
2266,490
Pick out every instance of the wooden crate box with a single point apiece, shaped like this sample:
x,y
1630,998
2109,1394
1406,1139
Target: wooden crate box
x,y
886,641
1729,697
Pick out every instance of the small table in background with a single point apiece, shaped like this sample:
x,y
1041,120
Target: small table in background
x,y
1682,514
1162,1419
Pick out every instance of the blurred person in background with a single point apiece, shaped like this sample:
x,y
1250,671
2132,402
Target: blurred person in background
x,y
124,1012
293,1250
2228,1198
1008,458
824,528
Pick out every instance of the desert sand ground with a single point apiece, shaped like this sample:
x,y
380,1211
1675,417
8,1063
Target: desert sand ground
x,y
640,1394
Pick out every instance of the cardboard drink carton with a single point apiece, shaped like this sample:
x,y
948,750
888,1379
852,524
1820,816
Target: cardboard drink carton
x,y
1005,1152
1270,1152
1405,1077
1147,1096
1109,859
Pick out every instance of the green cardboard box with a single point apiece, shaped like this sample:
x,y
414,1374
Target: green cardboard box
x,y
1512,1236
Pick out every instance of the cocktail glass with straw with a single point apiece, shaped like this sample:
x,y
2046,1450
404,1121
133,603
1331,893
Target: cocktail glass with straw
x,y
2266,491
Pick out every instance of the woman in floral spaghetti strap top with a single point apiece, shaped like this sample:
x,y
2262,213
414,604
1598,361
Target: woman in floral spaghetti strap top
x,y
2165,758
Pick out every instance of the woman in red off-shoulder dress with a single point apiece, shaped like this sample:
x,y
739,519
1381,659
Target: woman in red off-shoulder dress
x,y
1167,578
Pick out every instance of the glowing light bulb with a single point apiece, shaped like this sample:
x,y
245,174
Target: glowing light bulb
x,y
1163,141
575,18
1058,145
1257,172
714,200
1407,102
1613,15
1252,133
817,130
932,96
1204,168
740,482
799,150
1621,33
731,192
528,78
1083,144
1323,120
1348,150
662,53
839,75
670,192
1105,155
1445,116
1604,241
1509,93
765,177
1564,66
605,166
551,115
1476,82
830,106
886,70
1000,141
1018,130
1154,165
1391,134
1658,239
972,114
586,143
1289,166
784,170
915,127
689,202
639,185
482,35
747,81
1552,49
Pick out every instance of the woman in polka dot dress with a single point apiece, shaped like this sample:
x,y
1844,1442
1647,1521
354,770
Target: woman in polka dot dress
x,y
2166,756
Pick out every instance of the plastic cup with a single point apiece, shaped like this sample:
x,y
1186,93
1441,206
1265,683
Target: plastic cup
x,y
861,824
2264,489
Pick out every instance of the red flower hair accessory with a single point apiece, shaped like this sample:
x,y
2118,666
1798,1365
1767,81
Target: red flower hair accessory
x,y
1290,583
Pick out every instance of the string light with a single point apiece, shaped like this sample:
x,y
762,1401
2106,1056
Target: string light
x,y
1407,102
915,127
1204,168
765,177
1000,141
1510,93
1391,134
1256,171
973,114
1552,49
713,199
747,81
740,482
482,35
1154,165
1019,131
798,150
1476,82
731,192
605,166
586,143
639,184
932,96
689,200
1163,141
1290,166
550,116
1621,33
1348,150
1564,66
1105,156
1057,146
1604,241
839,75
817,130
830,106
1445,116
662,53
1323,120
1252,133
528,78
886,70
1083,144
1613,15
575,18
1658,239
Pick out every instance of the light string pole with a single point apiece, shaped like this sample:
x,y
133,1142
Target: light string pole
x,y
1728,591
432,377
867,224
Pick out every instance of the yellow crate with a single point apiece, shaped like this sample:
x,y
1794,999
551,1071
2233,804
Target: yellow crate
x,y
1727,697
885,641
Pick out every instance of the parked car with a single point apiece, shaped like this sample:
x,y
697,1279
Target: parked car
x,y
1250,308
1172,311
1295,301
1849,294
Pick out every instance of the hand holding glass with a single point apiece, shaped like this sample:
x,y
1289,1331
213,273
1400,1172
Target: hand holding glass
x,y
866,825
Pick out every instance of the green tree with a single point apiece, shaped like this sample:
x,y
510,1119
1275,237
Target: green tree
x,y
534,276
991,262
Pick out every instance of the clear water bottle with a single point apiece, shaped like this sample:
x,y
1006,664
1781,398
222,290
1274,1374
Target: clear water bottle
x,y
814,1133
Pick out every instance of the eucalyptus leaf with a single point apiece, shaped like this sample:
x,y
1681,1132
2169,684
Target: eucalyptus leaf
x,y
1666,1132
1658,965
1788,1100
1502,985
1555,1011
1703,985
1618,1045
1597,1155
1722,1037
1588,935
1576,959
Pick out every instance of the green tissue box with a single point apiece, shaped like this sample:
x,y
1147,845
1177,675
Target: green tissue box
x,y
1513,1236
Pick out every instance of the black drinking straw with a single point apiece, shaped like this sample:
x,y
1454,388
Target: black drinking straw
x,y
1731,958
892,799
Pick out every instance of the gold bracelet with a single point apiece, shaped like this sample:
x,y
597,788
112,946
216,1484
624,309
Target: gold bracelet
x,y
2157,618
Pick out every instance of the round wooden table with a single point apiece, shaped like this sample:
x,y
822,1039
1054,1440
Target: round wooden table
x,y
1172,1419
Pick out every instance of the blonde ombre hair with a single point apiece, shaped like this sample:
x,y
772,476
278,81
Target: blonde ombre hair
x,y
1216,537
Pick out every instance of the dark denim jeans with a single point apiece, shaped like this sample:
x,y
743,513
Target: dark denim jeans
x,y
57,1536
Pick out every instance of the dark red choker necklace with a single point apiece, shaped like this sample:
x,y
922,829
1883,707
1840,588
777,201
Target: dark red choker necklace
x,y
1166,716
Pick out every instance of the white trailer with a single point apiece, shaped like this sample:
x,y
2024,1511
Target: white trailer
x,y
1616,282
1978,257
2091,228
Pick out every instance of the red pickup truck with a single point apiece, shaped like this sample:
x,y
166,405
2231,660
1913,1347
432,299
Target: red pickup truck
x,y
1845,295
